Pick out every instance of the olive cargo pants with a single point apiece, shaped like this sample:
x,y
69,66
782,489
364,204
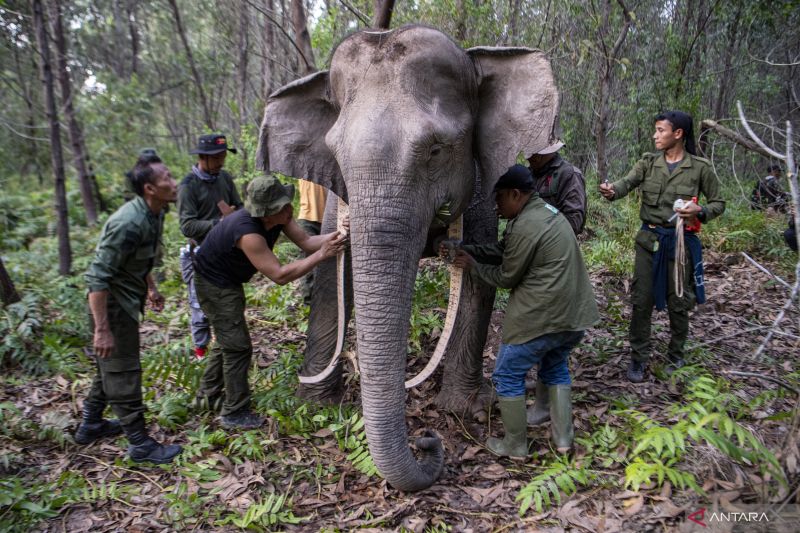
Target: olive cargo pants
x,y
118,382
643,302
228,361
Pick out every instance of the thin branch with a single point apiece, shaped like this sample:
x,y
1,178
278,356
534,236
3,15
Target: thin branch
x,y
360,16
755,137
766,271
283,31
778,320
762,376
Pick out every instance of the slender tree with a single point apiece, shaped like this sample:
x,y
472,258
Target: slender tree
x,y
302,37
198,81
73,126
56,152
382,17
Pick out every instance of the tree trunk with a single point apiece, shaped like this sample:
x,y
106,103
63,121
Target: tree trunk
x,y
8,293
513,22
198,82
74,127
269,49
382,18
134,34
605,84
244,45
56,153
302,38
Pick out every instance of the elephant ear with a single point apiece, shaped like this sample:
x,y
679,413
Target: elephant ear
x,y
292,140
518,107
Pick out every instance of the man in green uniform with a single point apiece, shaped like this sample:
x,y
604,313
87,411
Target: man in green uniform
x,y
206,195
118,282
562,185
232,252
550,306
673,173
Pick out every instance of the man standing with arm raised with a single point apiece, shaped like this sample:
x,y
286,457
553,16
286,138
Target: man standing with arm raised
x,y
672,173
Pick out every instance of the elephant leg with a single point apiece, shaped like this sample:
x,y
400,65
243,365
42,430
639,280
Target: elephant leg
x,y
464,388
323,321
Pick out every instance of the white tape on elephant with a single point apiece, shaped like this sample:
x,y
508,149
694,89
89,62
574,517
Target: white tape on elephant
x,y
342,211
455,231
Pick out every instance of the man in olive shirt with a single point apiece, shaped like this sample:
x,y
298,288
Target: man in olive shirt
x,y
206,195
663,177
550,306
118,280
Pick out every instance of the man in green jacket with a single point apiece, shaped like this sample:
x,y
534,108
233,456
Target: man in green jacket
x,y
550,306
673,173
206,195
118,280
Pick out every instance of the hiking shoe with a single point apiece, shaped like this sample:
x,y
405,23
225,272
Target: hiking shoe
x,y
674,364
242,419
150,451
636,371
88,432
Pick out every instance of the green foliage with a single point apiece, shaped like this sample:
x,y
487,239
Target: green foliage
x,y
23,506
20,329
250,445
272,510
545,489
352,437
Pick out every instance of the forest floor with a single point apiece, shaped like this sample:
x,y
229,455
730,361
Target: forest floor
x,y
476,491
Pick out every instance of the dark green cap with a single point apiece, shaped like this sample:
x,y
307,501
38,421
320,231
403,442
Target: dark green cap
x,y
266,196
148,152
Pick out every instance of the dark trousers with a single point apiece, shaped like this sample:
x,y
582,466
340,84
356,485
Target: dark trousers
x,y
228,361
643,302
118,381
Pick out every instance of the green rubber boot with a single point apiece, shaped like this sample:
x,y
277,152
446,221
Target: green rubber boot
x,y
515,442
561,415
539,412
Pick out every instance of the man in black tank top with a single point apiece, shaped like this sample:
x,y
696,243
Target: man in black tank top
x,y
236,248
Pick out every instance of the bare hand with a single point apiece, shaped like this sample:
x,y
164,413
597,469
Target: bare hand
x,y
333,244
156,300
103,343
346,224
447,249
464,260
689,211
607,190
224,208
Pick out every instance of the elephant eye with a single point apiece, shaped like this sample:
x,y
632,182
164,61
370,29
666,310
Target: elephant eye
x,y
436,149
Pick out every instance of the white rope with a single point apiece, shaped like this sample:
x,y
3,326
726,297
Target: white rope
x,y
342,211
456,232
680,258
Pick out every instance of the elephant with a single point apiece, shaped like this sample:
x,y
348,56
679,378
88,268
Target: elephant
x,y
405,126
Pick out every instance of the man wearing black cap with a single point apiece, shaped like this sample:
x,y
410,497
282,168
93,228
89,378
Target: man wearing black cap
x,y
233,251
560,184
672,173
550,306
205,196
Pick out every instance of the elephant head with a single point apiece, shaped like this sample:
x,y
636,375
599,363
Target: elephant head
x,y
397,128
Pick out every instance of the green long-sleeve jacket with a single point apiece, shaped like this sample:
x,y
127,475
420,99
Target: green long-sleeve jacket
x,y
197,203
540,261
659,189
125,255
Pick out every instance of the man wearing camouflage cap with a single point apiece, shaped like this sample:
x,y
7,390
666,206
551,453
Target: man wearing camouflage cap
x,y
235,249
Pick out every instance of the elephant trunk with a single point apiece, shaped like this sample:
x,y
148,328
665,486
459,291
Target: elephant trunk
x,y
387,240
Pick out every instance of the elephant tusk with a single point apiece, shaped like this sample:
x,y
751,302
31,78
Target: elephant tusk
x,y
342,211
455,231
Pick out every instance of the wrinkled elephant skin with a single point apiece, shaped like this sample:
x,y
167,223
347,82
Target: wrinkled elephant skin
x,y
404,123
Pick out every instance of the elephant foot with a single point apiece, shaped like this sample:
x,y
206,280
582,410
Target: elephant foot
x,y
474,402
323,395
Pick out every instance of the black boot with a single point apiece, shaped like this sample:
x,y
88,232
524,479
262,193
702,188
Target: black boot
x,y
94,427
142,448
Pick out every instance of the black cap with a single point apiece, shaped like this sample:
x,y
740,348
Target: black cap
x,y
773,167
211,144
516,177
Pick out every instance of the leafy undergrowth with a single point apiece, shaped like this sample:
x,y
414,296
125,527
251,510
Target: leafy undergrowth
x,y
646,455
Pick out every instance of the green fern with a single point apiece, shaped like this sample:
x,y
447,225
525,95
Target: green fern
x,y
545,488
639,473
268,512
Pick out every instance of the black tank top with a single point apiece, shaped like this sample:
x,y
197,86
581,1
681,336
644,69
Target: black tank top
x,y
220,261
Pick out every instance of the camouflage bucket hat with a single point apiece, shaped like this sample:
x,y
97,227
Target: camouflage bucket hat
x,y
267,196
